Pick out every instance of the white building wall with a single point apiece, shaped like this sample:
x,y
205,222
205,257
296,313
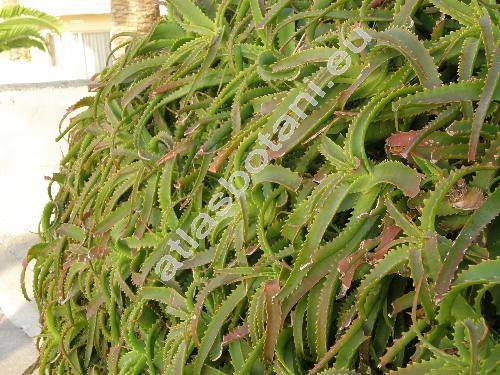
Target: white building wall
x,y
28,151
80,51
69,7
77,56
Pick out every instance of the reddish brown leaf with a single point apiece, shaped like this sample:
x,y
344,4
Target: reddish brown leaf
x,y
181,147
375,3
348,266
68,263
398,142
235,334
389,233
471,200
167,87
273,324
220,158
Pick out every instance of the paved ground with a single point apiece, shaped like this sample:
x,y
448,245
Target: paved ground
x,y
17,352
13,305
18,317
28,126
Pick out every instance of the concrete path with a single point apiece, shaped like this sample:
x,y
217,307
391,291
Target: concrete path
x,y
13,305
29,121
18,317
17,351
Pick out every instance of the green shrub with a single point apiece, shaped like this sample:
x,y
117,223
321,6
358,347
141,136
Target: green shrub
x,y
359,236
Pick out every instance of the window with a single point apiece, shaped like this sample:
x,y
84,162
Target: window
x,y
80,55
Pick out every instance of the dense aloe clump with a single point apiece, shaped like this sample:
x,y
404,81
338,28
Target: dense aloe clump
x,y
230,205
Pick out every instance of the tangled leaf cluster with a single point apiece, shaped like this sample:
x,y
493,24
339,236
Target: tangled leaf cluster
x,y
365,243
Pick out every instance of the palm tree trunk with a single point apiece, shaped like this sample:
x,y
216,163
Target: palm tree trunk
x,y
134,15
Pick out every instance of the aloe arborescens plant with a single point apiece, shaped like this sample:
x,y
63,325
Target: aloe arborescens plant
x,y
368,243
